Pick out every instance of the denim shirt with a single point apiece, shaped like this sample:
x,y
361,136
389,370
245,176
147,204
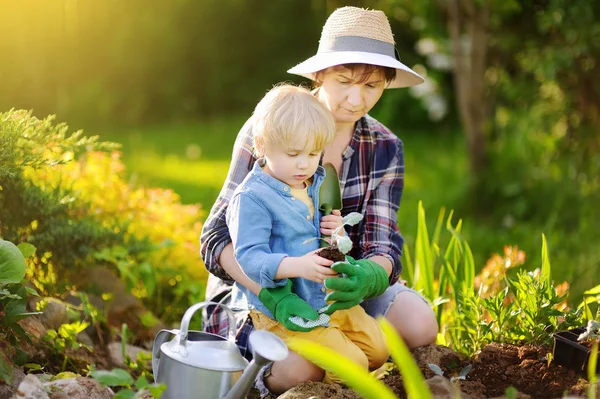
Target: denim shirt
x,y
267,224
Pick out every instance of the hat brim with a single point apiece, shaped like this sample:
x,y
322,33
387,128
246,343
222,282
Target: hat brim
x,y
405,77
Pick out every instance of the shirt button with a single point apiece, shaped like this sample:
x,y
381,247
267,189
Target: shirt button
x,y
322,289
307,217
286,189
293,198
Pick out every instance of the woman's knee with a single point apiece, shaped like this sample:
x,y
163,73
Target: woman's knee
x,y
414,319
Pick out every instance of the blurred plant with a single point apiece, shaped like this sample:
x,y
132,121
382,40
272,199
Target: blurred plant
x,y
127,387
591,372
13,302
462,375
64,340
67,195
491,307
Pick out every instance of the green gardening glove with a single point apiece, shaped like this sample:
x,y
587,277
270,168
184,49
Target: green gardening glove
x,y
361,279
283,304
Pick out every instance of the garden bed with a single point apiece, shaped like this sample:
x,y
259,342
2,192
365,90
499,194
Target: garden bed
x,y
495,369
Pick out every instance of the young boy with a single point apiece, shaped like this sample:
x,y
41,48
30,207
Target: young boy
x,y
271,215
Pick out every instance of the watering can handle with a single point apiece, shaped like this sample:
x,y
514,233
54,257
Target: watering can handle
x,y
161,338
187,317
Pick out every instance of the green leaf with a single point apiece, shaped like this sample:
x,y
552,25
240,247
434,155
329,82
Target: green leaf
x,y
413,380
141,383
351,373
12,263
593,291
125,394
424,255
113,378
156,390
546,274
6,369
26,249
592,364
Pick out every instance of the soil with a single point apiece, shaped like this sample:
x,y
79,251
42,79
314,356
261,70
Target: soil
x,y
332,253
495,369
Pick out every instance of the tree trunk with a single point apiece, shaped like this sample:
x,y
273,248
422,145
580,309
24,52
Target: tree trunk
x,y
468,25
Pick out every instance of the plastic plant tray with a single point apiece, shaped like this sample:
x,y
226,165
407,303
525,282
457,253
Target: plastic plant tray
x,y
568,352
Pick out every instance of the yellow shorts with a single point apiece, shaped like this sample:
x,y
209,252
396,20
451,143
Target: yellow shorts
x,y
351,332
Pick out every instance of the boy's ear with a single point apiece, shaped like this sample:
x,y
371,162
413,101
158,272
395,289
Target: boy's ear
x,y
259,150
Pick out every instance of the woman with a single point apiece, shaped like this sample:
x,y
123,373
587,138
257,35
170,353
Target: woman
x,y
356,61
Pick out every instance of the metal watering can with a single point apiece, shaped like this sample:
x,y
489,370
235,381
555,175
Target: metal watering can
x,y
197,364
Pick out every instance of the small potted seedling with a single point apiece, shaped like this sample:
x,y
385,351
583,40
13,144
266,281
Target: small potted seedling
x,y
338,245
572,347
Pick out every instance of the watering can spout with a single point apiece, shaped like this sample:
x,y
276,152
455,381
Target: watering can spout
x,y
266,348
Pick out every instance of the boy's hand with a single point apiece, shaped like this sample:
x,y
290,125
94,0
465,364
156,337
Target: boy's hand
x,y
363,279
283,304
315,268
331,222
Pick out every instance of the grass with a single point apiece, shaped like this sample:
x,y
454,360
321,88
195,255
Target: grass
x,y
193,160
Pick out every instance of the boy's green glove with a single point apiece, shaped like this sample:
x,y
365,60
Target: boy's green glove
x,y
363,279
283,304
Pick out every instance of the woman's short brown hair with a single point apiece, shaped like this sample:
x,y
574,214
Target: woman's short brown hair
x,y
364,70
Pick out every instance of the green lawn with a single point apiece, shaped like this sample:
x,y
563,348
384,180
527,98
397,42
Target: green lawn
x,y
193,160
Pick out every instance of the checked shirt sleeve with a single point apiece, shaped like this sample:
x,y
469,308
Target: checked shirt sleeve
x,y
381,235
215,234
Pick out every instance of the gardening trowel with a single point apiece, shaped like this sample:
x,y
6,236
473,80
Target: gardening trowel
x,y
330,194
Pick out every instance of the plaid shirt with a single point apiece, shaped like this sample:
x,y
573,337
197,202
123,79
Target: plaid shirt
x,y
371,179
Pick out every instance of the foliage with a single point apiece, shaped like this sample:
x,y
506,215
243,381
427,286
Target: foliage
x,y
13,299
491,307
130,388
66,194
124,379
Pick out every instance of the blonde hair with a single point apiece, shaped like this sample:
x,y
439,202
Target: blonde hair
x,y
287,113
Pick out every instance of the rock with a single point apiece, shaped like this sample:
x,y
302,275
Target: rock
x,y
54,314
31,388
78,388
116,354
33,327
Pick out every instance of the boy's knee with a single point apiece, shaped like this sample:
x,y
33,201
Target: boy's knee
x,y
378,355
306,372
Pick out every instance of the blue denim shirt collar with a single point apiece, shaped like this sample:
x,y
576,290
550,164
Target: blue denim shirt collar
x,y
278,185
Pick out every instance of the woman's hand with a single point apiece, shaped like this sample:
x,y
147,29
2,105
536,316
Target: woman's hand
x,y
331,222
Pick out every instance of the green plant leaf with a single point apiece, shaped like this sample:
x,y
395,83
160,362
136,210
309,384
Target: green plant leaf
x,y
113,378
125,394
424,255
156,390
414,383
546,275
6,369
12,263
26,249
352,374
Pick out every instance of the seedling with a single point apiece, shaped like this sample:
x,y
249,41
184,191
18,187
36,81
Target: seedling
x,y
461,376
341,243
592,331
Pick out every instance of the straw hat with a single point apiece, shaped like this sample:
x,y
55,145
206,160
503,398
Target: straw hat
x,y
354,35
